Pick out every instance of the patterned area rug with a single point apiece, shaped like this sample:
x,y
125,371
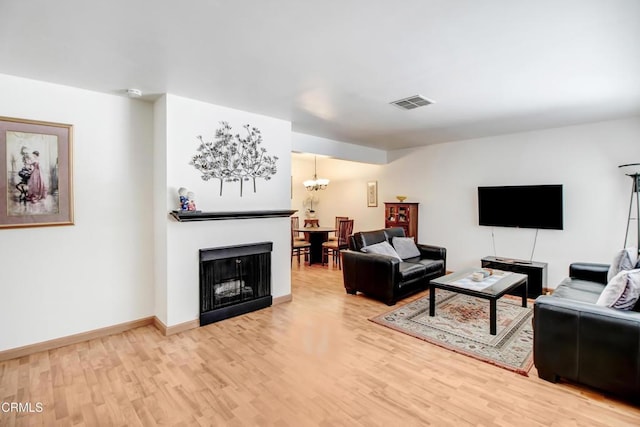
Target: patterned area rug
x,y
461,324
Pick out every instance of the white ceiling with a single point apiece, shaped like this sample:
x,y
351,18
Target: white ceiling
x,y
331,67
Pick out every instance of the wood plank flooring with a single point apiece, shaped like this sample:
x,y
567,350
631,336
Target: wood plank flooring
x,y
315,361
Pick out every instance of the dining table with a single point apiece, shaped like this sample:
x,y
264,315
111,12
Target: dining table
x,y
316,236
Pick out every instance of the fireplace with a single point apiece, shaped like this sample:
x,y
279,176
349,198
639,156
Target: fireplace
x,y
234,280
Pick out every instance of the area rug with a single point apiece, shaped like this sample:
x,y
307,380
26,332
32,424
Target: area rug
x,y
461,324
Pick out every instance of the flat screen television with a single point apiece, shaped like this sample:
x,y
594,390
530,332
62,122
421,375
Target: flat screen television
x,y
524,206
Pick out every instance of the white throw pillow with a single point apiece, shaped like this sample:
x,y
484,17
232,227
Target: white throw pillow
x,y
382,248
405,247
623,291
624,260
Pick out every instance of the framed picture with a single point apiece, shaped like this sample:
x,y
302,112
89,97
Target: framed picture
x,y
35,173
372,194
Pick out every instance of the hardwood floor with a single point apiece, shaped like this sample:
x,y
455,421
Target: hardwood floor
x,y
314,361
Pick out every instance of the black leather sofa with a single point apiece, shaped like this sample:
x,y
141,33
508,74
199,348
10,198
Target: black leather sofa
x,y
585,343
384,277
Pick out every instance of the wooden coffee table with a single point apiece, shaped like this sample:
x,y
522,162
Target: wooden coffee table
x,y
499,284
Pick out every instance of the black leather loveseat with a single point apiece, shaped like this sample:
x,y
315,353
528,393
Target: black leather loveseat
x,y
583,342
384,277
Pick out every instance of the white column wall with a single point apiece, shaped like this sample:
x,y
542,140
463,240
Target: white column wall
x,y
185,120
160,207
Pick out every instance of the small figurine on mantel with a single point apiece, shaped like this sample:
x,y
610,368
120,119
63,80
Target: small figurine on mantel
x,y
184,198
191,201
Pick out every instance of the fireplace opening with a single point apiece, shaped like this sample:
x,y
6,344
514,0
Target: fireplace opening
x,y
234,280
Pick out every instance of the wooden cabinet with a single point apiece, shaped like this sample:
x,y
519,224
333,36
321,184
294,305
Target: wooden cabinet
x,y
403,215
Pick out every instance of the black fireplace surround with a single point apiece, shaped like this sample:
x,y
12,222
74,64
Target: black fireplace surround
x,y
234,280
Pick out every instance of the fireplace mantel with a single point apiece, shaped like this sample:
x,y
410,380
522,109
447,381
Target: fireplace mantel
x,y
216,216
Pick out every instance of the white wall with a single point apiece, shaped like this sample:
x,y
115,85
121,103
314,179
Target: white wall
x,y
178,279
58,281
444,179
346,194
303,143
160,247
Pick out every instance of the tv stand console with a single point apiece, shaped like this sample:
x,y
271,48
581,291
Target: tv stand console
x,y
536,271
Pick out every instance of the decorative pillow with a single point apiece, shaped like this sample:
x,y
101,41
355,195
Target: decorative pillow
x,y
624,260
405,247
623,291
382,248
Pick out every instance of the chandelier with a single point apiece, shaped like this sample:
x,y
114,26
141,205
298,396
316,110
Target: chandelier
x,y
316,183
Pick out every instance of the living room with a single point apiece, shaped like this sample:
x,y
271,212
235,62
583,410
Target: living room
x,y
444,179
126,265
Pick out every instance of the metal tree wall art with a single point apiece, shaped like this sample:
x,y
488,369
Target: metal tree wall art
x,y
232,158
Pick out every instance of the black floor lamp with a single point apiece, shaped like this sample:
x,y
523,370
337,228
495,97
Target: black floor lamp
x,y
633,170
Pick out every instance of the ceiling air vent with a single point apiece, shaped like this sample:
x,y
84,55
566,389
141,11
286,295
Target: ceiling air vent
x,y
412,102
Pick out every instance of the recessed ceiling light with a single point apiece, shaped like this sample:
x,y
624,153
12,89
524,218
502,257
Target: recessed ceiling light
x,y
412,102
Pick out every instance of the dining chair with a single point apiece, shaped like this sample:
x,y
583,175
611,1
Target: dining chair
x,y
345,228
338,219
299,247
295,224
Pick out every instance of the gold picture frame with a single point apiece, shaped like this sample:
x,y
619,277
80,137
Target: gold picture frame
x,y
36,173
372,194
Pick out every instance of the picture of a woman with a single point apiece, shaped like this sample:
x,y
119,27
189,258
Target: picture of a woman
x,y
37,190
32,175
